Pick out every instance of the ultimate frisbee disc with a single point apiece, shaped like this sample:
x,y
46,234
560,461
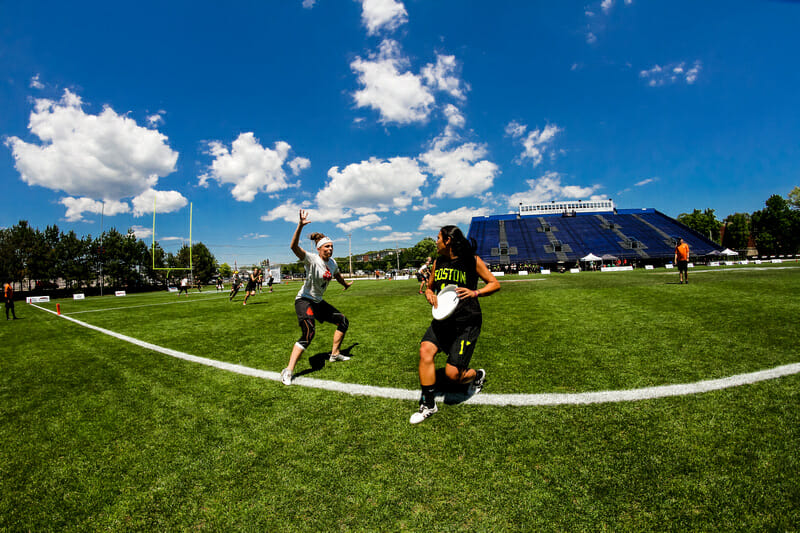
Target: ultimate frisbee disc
x,y
447,301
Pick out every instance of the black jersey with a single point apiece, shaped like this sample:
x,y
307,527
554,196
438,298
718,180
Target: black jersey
x,y
462,274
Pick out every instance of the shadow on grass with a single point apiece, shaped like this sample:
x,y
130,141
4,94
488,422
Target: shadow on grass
x,y
454,393
317,361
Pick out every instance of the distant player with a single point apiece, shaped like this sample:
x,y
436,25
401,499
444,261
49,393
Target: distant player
x,y
270,282
220,286
423,273
236,284
184,286
252,285
309,305
8,298
682,260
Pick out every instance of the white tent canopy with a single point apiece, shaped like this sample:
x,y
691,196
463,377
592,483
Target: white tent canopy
x,y
728,251
591,257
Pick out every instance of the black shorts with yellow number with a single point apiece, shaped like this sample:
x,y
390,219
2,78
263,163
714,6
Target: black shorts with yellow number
x,y
457,341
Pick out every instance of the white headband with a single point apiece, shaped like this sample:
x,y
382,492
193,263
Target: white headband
x,y
323,242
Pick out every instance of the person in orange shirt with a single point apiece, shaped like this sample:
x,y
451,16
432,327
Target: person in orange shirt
x,y
8,298
682,260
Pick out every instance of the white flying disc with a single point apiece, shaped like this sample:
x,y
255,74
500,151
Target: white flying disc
x,y
447,301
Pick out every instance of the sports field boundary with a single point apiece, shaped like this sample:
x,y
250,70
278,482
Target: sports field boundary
x,y
520,400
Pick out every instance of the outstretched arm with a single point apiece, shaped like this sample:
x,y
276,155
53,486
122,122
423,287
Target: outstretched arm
x,y
295,244
342,281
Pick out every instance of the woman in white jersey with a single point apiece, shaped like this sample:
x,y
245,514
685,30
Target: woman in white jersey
x,y
309,305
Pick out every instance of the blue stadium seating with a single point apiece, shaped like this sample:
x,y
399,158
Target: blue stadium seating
x,y
637,235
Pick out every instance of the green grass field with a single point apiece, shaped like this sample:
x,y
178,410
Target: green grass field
x,y
100,434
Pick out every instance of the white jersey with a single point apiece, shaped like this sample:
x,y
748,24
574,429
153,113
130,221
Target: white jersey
x,y
318,275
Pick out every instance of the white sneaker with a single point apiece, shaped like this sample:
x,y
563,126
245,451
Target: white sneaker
x,y
286,376
338,357
423,413
477,384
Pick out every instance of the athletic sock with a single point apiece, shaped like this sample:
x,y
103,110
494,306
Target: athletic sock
x,y
428,398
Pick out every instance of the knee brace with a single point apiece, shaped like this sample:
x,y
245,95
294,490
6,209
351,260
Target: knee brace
x,y
308,329
342,324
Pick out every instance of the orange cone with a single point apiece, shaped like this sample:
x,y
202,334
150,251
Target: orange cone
x,y
58,308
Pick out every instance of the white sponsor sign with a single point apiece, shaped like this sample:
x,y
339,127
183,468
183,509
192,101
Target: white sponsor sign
x,y
574,270
617,269
173,289
523,272
545,271
79,296
119,293
648,267
37,299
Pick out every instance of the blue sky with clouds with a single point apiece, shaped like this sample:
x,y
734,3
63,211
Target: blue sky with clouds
x,y
387,119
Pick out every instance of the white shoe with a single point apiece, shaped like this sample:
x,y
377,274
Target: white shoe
x,y
477,384
286,376
338,357
423,413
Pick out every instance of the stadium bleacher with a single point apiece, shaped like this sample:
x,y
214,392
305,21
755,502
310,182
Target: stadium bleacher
x,y
635,236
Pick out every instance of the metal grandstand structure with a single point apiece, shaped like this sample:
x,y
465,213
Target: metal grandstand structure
x,y
566,231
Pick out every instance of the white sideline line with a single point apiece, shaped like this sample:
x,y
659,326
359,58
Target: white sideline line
x,y
580,398
143,305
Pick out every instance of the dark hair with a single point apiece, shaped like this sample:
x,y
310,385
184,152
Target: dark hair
x,y
316,237
462,247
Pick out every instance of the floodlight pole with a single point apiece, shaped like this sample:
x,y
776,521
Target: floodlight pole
x,y
350,251
102,212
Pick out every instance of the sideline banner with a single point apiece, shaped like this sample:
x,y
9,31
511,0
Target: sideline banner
x,y
79,296
37,299
119,293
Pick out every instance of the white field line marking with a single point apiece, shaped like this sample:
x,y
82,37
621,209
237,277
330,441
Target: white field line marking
x,y
723,269
143,305
647,393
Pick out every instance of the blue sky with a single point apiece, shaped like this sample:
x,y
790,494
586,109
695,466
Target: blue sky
x,y
387,119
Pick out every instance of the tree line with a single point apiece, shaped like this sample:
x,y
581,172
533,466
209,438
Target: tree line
x,y
774,229
48,259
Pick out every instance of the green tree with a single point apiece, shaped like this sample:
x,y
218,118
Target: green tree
x,y
794,198
737,231
776,228
204,264
225,270
72,259
703,222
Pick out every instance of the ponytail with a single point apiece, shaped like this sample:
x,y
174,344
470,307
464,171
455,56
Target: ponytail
x,y
462,247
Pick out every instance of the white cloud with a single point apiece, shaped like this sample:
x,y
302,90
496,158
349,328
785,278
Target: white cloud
x,y
361,222
645,182
105,156
76,207
298,164
373,186
380,15
142,232
549,188
308,4
440,76
591,38
398,96
165,202
658,76
290,212
395,236
534,143
35,83
605,5
379,228
462,170
461,216
155,119
250,167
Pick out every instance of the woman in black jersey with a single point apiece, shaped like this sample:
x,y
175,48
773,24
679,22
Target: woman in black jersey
x,y
457,334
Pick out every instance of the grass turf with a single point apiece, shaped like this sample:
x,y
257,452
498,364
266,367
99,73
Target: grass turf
x,y
101,434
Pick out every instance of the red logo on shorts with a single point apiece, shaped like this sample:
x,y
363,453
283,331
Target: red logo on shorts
x,y
310,311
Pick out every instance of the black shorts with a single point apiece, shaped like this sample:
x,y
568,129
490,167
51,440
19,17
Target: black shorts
x,y
321,311
683,266
457,342
251,286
